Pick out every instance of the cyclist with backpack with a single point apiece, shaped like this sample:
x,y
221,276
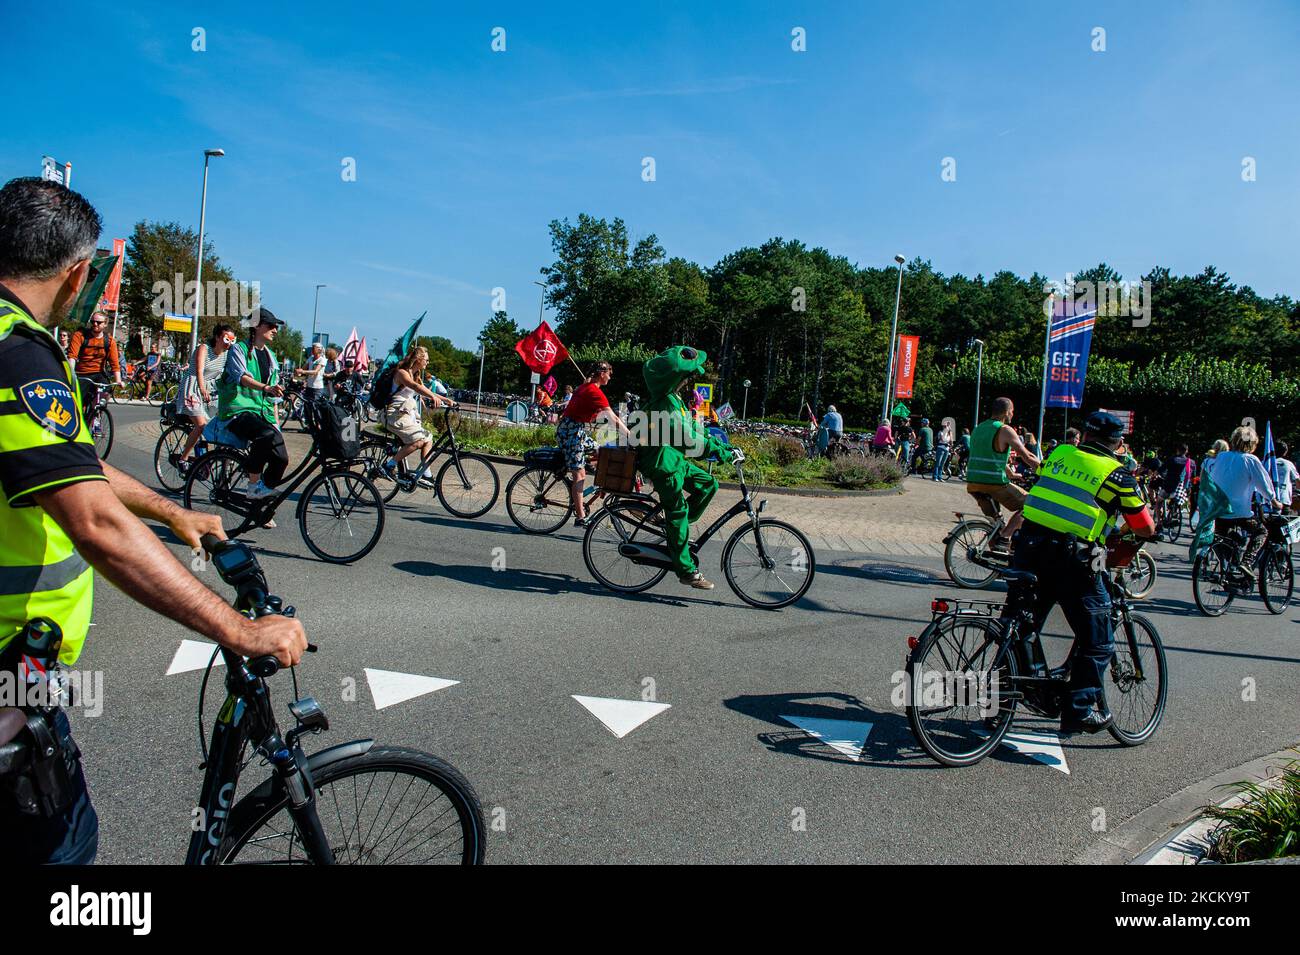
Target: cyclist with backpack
x,y
93,352
395,393
249,386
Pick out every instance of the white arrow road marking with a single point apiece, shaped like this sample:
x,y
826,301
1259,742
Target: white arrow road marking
x,y
389,686
193,655
1044,747
844,736
621,716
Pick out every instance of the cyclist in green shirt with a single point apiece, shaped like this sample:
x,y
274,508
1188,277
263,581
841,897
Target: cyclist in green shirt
x,y
988,478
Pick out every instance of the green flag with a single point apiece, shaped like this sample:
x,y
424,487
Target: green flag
x,y
402,345
1211,502
901,411
88,299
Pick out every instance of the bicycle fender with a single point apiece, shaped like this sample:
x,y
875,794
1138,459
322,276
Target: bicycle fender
x,y
326,757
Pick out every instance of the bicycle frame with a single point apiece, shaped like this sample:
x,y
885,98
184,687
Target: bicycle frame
x,y
445,443
656,554
258,514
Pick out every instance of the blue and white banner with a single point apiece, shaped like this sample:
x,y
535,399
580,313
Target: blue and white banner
x,y
1067,353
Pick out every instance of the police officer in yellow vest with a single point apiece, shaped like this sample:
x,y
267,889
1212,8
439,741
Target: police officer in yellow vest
x,y
1079,490
63,513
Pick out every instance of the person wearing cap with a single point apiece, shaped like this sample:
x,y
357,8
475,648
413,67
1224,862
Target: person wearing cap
x,y
249,387
924,441
684,488
1078,493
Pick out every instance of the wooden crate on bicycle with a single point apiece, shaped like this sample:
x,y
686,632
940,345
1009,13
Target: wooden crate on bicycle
x,y
616,469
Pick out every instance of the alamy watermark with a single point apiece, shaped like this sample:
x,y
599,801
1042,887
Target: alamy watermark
x,y
1109,298
177,296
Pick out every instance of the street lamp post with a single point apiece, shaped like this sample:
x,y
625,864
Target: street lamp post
x,y
744,415
482,354
541,305
893,337
203,212
313,315
979,374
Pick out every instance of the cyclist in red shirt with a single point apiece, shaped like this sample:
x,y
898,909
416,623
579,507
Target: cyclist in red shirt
x,y
573,433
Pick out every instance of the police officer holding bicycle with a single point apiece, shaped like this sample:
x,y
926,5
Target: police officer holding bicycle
x,y
63,512
1079,489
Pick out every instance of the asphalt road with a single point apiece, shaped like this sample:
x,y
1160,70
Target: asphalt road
x,y
725,774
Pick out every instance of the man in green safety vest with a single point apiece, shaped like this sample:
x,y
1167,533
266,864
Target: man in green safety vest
x,y
1078,492
988,478
64,512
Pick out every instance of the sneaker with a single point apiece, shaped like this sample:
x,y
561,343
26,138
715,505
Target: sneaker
x,y
696,580
1000,545
258,491
182,466
1092,723
424,482
581,521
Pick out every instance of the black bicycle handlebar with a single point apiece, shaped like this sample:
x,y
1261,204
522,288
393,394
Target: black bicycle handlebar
x,y
238,567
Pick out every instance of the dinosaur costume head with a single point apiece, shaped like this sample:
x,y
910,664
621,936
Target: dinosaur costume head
x,y
668,369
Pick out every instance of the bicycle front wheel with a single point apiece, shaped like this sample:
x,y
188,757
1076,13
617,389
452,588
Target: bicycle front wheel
x,y
1276,578
1136,692
769,565
102,430
1140,578
538,500
967,538
388,806
341,516
1212,586
468,485
961,689
213,486
623,522
164,457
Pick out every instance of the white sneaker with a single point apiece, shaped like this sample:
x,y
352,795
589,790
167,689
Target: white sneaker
x,y
258,491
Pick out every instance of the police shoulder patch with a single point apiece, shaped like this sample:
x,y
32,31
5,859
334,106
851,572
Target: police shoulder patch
x,y
53,405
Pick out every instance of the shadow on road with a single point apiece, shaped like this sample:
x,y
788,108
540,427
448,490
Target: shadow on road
x,y
532,581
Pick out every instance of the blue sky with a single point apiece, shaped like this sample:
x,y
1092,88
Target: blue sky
x,y
1065,156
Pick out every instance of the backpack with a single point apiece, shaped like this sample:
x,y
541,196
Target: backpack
x,y
382,388
336,432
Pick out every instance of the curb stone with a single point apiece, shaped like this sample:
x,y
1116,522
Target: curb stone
x,y
1158,828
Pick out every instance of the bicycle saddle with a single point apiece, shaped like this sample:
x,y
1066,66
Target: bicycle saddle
x,y
1020,577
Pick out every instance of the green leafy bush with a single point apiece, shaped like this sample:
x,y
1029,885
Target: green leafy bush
x,y
1265,826
786,451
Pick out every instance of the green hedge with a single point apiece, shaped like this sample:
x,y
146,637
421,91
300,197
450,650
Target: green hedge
x,y
1174,399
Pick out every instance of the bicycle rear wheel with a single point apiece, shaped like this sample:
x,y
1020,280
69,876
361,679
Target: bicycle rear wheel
x,y
1173,524
341,516
968,536
388,806
959,684
769,566
1212,587
102,430
1276,577
538,500
1136,703
374,452
615,525
170,443
467,485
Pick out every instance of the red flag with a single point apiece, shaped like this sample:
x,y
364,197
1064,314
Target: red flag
x,y
541,349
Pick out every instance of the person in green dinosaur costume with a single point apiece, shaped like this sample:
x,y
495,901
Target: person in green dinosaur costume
x,y
674,436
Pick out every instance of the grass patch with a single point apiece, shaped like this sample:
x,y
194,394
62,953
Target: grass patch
x,y
775,462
